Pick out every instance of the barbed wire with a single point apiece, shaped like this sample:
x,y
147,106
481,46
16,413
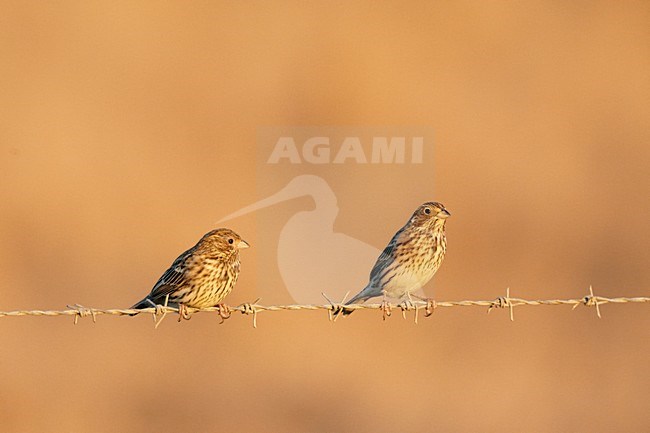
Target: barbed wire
x,y
333,308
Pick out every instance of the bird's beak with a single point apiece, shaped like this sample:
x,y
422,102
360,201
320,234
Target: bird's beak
x,y
242,244
443,214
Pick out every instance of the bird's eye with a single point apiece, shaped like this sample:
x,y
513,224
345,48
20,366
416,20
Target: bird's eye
x,y
427,210
231,240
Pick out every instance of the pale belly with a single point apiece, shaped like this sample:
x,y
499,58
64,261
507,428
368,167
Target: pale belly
x,y
406,282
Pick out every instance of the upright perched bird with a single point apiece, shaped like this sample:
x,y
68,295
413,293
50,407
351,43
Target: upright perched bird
x,y
200,277
411,258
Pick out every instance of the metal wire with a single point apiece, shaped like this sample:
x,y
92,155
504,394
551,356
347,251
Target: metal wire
x,y
159,312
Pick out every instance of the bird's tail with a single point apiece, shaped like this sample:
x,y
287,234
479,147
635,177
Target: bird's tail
x,y
145,303
360,297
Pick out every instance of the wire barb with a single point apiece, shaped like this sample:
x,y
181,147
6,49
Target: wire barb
x,y
159,309
335,309
82,311
592,301
250,309
504,302
408,305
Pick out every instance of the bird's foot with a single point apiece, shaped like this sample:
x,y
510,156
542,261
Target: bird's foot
x,y
224,312
430,307
385,308
183,312
407,305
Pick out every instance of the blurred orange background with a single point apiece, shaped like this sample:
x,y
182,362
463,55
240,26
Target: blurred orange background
x,y
128,128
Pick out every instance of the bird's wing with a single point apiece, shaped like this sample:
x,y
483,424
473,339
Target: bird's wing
x,y
375,285
385,259
173,277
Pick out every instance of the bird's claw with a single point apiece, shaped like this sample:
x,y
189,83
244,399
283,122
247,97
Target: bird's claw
x,y
224,312
183,312
430,308
386,309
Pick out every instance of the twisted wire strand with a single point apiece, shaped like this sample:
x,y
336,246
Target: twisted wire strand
x,y
79,311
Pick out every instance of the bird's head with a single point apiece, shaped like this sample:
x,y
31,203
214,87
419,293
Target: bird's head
x,y
223,240
429,214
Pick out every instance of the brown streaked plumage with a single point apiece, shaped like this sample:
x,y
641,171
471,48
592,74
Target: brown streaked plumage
x,y
411,258
200,277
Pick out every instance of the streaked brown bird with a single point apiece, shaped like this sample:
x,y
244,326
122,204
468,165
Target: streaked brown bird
x,y
200,277
411,258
